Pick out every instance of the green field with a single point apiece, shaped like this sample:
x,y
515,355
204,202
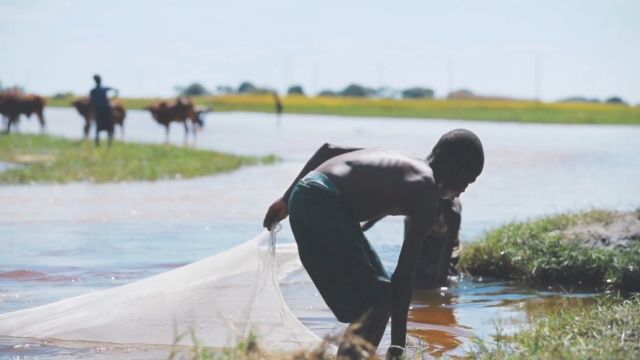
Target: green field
x,y
493,110
46,159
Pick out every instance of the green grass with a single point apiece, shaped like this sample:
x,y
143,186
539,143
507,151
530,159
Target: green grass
x,y
46,159
536,252
608,330
493,110
250,348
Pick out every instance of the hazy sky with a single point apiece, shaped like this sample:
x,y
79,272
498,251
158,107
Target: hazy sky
x,y
144,48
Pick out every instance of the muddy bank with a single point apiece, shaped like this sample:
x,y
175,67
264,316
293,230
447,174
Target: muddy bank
x,y
622,231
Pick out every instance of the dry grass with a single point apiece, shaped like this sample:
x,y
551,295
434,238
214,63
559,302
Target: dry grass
x,y
250,349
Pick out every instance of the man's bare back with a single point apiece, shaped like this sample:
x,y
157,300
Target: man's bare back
x,y
376,182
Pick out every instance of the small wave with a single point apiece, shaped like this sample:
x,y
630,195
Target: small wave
x,y
22,274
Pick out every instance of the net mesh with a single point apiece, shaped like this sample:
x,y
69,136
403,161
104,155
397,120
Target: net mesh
x,y
221,299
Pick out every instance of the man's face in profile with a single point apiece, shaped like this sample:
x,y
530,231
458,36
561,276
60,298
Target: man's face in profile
x,y
452,188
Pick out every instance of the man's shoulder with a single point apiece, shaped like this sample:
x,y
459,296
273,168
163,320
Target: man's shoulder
x,y
423,187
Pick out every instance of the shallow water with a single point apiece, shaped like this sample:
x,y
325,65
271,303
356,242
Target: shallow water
x,y
64,240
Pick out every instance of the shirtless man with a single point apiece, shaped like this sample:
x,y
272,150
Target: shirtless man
x,y
341,187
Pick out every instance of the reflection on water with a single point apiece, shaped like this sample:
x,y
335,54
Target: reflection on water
x,y
64,240
449,319
444,321
432,319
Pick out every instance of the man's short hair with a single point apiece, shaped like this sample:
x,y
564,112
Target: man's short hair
x,y
461,147
97,78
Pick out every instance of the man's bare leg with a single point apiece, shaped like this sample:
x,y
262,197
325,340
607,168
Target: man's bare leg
x,y
369,327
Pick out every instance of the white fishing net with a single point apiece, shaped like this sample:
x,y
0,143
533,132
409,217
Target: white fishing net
x,y
222,299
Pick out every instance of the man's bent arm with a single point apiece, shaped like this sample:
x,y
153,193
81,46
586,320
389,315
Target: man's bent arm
x,y
417,229
369,224
452,219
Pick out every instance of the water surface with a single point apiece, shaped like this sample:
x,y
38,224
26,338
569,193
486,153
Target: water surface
x,y
64,240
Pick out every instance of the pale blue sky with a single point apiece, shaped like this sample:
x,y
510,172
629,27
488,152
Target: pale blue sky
x,y
144,48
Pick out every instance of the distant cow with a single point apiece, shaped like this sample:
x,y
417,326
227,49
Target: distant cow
x,y
179,110
12,105
83,105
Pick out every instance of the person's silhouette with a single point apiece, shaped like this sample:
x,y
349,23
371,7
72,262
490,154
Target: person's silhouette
x,y
102,109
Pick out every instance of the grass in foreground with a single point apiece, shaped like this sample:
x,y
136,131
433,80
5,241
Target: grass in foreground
x,y
494,110
250,349
608,330
56,160
536,252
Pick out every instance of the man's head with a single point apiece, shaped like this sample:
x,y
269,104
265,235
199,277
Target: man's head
x,y
97,79
456,161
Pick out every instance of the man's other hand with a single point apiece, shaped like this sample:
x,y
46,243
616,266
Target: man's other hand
x,y
395,353
276,213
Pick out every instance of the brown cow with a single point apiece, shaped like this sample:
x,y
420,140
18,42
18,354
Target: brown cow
x,y
83,105
14,104
179,110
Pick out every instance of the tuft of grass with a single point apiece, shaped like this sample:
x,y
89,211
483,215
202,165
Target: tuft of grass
x,y
610,329
493,110
249,349
536,252
48,159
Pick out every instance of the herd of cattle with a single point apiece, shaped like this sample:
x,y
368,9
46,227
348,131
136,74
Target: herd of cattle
x,y
13,104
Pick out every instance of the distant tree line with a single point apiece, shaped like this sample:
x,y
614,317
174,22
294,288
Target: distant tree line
x,y
582,99
352,90
357,90
193,89
246,87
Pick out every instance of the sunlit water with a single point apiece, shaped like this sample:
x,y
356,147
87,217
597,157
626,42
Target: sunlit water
x,y
64,240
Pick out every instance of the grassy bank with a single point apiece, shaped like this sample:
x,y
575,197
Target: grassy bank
x,y
608,330
494,110
539,252
56,160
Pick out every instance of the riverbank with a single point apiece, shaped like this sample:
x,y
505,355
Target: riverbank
x,y
595,249
493,110
47,159
609,329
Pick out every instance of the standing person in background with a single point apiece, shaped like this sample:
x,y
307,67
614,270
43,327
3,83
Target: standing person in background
x,y
279,108
102,109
